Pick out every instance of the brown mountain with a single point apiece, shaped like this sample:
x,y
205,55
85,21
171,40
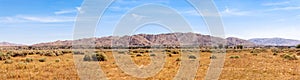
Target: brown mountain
x,y
9,44
168,39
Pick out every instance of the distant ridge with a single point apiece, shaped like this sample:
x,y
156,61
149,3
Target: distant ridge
x,y
275,41
169,39
10,44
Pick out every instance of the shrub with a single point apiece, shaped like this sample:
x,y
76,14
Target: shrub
x,y
78,52
29,59
121,52
170,55
213,57
95,57
66,51
298,46
234,57
239,46
138,55
57,60
152,55
8,62
101,57
42,59
87,58
175,52
21,65
178,59
2,56
290,57
192,57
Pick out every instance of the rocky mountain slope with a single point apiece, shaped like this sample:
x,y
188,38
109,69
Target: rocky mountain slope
x,y
275,41
168,39
9,44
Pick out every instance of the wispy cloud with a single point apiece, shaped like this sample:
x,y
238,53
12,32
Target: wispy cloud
x,y
234,12
48,19
65,12
276,3
285,8
68,11
40,19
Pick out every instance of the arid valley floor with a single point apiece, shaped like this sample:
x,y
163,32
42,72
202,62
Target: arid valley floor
x,y
245,64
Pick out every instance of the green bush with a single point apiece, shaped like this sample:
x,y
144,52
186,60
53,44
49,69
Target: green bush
x,y
152,55
57,60
78,52
234,57
87,58
290,57
99,57
29,59
2,56
213,57
192,57
42,59
95,57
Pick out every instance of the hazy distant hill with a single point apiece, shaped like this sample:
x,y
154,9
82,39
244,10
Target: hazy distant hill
x,y
9,44
275,41
169,39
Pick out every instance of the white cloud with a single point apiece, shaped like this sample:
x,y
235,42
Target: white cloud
x,y
48,19
10,20
41,19
234,12
284,8
276,3
68,11
65,12
118,8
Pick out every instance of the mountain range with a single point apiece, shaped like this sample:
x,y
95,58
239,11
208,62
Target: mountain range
x,y
275,41
168,39
9,44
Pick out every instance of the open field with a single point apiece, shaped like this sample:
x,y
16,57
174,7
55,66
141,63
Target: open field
x,y
267,64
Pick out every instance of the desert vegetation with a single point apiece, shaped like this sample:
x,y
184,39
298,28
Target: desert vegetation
x,y
240,63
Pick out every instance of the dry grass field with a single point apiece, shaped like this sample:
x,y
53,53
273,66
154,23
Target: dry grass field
x,y
244,64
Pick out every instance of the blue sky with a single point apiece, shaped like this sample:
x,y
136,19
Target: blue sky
x,y
30,22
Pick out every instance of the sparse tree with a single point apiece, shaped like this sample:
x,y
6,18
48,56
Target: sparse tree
x,y
240,46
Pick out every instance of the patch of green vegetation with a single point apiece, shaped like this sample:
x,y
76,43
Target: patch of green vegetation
x,y
234,57
29,59
42,59
213,57
192,57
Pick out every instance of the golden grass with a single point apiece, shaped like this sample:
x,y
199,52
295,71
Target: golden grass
x,y
264,66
